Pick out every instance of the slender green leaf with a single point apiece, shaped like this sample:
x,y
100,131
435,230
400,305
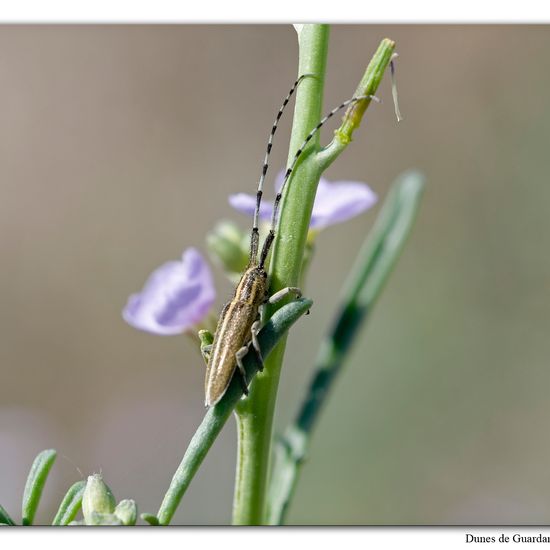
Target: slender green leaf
x,y
72,502
35,484
367,278
5,518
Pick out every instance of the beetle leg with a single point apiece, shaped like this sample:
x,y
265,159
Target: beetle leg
x,y
205,351
256,345
239,358
283,293
206,339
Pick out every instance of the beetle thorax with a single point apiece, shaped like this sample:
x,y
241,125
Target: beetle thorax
x,y
253,286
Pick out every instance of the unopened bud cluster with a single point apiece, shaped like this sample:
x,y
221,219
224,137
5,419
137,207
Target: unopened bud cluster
x,y
99,506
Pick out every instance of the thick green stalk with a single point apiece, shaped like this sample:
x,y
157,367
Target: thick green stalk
x,y
255,415
363,287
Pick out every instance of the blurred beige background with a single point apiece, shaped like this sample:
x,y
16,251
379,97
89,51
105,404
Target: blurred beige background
x,y
118,148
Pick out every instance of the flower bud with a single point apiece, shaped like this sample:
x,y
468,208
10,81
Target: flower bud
x,y
97,500
104,519
229,246
126,511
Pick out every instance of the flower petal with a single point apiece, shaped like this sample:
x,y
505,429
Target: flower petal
x,y
335,202
339,201
247,203
177,296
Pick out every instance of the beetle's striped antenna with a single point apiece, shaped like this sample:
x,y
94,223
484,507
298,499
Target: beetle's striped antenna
x,y
274,218
254,238
394,88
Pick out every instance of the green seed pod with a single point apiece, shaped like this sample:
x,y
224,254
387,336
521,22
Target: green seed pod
x,y
97,499
228,245
126,511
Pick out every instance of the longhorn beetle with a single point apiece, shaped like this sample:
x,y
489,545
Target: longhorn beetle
x,y
239,321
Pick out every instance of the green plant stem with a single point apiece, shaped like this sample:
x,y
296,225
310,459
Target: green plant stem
x,y
363,287
354,114
216,416
255,416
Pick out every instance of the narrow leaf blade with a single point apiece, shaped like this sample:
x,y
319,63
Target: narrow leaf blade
x,y
35,484
365,283
5,517
71,504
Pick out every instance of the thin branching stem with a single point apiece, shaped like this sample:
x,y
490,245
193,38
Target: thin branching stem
x,y
216,417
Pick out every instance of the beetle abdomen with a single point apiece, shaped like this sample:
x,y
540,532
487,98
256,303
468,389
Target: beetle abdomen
x,y
232,333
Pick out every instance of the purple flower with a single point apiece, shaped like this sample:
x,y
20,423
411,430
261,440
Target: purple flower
x,y
177,296
335,202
